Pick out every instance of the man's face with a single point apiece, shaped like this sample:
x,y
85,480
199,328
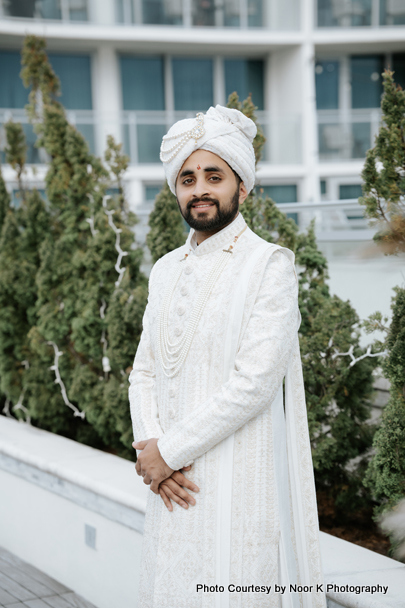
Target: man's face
x,y
208,193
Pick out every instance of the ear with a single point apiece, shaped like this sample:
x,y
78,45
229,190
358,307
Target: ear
x,y
243,193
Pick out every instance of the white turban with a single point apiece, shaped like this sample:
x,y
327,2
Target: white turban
x,y
223,131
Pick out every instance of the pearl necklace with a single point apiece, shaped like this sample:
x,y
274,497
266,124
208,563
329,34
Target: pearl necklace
x,y
195,133
173,355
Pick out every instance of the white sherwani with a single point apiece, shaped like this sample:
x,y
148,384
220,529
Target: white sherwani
x,y
194,412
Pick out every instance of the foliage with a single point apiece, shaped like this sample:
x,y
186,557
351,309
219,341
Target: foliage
x,y
384,171
79,302
166,225
386,473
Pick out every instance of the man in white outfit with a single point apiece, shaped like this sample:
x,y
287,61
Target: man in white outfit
x,y
219,336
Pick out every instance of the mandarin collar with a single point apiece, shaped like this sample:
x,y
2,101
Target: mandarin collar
x,y
220,239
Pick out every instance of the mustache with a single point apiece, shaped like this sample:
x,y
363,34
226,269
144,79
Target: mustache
x,y
215,201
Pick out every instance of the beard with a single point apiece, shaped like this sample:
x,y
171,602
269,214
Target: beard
x,y
224,215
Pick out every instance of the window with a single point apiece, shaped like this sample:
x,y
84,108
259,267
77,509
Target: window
x,y
282,193
73,10
151,192
398,66
344,13
142,83
327,85
193,84
74,73
392,12
162,12
13,94
245,76
347,191
366,80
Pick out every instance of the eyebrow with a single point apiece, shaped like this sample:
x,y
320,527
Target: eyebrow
x,y
213,169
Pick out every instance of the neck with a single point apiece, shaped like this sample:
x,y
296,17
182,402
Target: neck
x,y
201,235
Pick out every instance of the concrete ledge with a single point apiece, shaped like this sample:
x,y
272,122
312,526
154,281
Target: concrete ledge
x,y
55,489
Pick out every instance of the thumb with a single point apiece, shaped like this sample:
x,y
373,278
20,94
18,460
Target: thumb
x,y
139,445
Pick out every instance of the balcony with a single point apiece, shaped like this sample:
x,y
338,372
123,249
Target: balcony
x,y
84,120
269,14
360,13
142,134
59,10
346,135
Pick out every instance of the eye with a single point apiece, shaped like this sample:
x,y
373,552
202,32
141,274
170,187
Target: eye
x,y
215,178
187,181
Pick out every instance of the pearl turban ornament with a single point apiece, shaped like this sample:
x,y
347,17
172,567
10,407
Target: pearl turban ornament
x,y
223,131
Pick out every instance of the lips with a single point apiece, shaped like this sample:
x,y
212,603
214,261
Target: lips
x,y
203,205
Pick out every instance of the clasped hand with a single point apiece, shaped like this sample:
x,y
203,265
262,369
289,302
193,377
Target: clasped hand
x,y
161,478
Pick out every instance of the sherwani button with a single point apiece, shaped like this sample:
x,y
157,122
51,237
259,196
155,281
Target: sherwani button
x,y
172,413
188,270
172,393
178,331
181,310
184,291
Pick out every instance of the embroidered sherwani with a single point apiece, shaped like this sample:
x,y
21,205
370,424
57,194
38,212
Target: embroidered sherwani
x,y
195,411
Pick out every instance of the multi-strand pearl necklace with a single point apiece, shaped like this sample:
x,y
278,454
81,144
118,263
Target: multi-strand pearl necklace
x,y
173,355
194,133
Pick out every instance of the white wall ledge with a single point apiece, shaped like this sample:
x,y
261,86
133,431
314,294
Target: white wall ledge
x,y
91,478
107,488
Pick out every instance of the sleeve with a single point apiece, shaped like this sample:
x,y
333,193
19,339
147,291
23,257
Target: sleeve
x,y
260,366
142,389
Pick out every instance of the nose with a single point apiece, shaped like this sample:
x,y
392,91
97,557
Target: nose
x,y
200,187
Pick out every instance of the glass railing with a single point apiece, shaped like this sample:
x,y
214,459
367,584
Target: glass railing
x,y
142,134
358,13
346,136
83,120
271,14
65,10
341,220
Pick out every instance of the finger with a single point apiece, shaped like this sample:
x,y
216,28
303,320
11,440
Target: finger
x,y
139,445
175,497
179,491
138,468
154,486
183,481
165,499
186,468
147,479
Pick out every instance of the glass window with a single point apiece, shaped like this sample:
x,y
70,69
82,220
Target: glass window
x,y
142,83
347,191
398,66
231,13
77,10
327,85
13,94
20,8
245,76
192,81
344,13
392,12
282,193
162,12
366,80
323,187
74,73
255,13
151,192
203,12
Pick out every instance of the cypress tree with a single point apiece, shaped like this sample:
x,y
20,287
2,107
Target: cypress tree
x,y
90,293
384,171
166,225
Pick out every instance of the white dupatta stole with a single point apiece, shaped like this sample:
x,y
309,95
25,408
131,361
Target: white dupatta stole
x,y
293,466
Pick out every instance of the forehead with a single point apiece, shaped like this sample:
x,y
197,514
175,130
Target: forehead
x,y
205,159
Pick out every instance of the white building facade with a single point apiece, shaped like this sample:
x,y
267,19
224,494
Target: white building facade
x,y
133,67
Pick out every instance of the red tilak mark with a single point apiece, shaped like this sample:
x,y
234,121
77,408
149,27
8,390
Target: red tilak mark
x,y
198,167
